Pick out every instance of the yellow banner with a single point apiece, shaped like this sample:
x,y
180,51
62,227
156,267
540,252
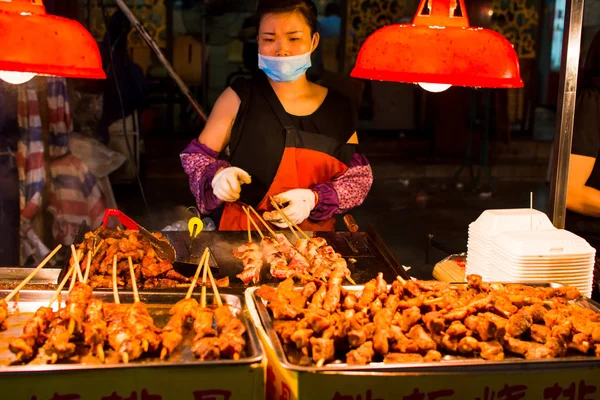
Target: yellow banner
x,y
549,385
153,383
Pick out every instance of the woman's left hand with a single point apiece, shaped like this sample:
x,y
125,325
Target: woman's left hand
x,y
300,202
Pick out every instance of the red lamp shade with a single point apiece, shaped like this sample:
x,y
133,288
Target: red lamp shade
x,y
439,48
36,43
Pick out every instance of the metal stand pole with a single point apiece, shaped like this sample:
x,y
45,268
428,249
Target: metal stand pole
x,y
146,36
563,137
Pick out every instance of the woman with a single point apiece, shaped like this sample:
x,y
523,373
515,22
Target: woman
x,y
583,189
288,138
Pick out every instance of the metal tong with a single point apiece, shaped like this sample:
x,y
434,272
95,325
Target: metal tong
x,y
163,248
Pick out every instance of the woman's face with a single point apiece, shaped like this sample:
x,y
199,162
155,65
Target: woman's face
x,y
283,35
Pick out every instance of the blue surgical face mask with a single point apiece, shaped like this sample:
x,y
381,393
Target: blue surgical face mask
x,y
284,69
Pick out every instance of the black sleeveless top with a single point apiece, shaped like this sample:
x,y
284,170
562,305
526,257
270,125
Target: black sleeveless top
x,y
258,137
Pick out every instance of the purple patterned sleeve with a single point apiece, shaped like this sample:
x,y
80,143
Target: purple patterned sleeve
x,y
201,163
347,191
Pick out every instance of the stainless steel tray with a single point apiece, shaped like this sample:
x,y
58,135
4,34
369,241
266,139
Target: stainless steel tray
x,y
449,363
159,304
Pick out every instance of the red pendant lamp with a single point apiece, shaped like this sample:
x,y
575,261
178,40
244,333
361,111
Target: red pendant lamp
x,y
35,43
438,50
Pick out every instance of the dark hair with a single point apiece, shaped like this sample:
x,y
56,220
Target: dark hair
x,y
333,9
306,8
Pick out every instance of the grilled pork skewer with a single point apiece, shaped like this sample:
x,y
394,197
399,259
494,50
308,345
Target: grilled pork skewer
x,y
205,344
4,302
250,255
95,328
120,337
231,329
33,337
25,346
172,334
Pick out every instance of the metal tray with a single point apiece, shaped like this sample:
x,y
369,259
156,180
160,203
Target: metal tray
x,y
159,304
449,363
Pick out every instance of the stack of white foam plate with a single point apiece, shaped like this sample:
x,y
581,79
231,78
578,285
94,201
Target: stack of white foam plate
x,y
553,255
490,224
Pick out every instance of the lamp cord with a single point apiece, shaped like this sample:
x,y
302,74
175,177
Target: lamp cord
x,y
119,95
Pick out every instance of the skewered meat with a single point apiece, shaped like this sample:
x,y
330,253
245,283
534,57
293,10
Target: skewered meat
x,y
150,271
207,348
400,343
518,324
285,330
432,356
483,327
58,345
25,346
457,329
251,257
3,314
410,317
491,350
362,355
426,318
77,301
322,349
540,333
422,338
468,345
95,328
141,325
402,358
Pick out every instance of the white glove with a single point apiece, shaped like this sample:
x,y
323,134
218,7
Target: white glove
x,y
227,183
300,203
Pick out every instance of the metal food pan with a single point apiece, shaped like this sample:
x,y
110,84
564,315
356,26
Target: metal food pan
x,y
449,363
158,303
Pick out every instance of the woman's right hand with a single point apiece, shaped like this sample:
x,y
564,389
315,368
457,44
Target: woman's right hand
x,y
227,183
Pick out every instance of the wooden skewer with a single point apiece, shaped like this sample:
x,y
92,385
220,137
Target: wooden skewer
x,y
401,280
136,294
114,277
263,221
285,218
253,223
136,297
32,274
87,267
100,352
196,275
350,280
248,225
214,287
76,261
203,295
61,286
73,278
98,247
293,223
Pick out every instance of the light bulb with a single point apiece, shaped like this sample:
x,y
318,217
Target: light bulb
x,y
434,87
16,78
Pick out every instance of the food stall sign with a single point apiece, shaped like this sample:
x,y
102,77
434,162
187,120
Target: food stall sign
x,y
552,384
149,383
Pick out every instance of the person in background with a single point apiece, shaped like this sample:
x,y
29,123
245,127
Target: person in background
x,y
288,137
583,190
126,93
330,26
